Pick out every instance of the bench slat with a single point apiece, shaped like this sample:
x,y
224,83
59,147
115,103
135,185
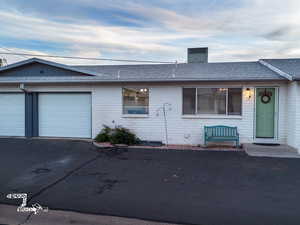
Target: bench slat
x,y
221,133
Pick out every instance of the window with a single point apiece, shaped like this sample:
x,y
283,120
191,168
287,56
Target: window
x,y
189,101
212,101
234,101
135,100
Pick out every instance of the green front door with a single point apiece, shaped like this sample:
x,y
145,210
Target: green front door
x,y
265,112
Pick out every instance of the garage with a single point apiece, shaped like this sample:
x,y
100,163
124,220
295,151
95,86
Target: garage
x,y
64,115
12,114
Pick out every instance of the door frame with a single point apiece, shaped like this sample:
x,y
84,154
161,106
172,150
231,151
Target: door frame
x,y
276,117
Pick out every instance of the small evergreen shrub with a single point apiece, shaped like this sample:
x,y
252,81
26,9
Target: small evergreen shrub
x,y
118,135
121,135
104,135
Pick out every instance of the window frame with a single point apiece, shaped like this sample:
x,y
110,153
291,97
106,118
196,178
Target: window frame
x,y
196,115
134,115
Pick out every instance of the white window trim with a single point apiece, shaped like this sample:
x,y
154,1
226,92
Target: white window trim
x,y
211,116
134,115
205,116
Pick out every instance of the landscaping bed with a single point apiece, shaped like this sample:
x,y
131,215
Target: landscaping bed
x,y
108,145
120,137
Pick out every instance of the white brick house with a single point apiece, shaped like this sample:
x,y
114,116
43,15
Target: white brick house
x,y
42,98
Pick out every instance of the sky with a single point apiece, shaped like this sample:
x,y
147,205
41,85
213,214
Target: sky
x,y
160,30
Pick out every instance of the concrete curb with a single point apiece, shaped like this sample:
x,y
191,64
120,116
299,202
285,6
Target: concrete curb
x,y
100,146
9,215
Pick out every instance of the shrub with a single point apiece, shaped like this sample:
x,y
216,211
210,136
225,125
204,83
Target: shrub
x,y
104,135
121,135
118,135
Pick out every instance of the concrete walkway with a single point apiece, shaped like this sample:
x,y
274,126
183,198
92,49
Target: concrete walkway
x,y
9,215
273,151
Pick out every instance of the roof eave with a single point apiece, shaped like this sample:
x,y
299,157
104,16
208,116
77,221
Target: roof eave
x,y
54,64
138,81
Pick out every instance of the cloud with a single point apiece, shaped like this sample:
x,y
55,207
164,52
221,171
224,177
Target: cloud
x,y
92,39
156,30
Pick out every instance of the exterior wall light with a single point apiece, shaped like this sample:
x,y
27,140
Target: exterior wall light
x,y
248,93
143,90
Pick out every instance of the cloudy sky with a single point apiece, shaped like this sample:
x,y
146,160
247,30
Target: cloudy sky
x,y
151,29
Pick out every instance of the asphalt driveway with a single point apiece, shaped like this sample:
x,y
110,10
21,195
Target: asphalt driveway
x,y
208,188
31,165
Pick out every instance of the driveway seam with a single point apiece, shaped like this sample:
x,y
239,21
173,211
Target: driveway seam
x,y
27,219
63,178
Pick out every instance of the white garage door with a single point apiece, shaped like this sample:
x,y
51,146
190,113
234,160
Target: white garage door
x,y
65,115
12,114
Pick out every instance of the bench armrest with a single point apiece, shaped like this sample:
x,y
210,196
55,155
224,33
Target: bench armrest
x,y
205,133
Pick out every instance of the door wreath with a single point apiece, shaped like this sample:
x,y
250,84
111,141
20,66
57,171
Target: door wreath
x,y
265,96
265,99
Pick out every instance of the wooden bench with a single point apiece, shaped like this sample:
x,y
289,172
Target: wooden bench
x,y
221,134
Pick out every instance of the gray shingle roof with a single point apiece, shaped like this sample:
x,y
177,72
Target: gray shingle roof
x,y
289,66
227,71
230,71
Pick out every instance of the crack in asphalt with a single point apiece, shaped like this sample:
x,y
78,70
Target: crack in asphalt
x,y
27,219
108,185
63,178
56,182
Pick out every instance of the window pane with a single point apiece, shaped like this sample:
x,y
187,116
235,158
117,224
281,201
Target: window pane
x,y
135,100
211,100
189,101
234,101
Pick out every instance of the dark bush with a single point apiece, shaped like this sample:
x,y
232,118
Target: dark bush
x,y
118,135
104,135
121,135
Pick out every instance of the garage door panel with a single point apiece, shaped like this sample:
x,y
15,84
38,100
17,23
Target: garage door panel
x,y
12,114
65,115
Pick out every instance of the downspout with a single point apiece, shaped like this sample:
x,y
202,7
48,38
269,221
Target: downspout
x,y
22,87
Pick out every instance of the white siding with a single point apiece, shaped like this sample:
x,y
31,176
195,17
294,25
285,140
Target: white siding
x,y
107,109
293,108
292,96
297,117
282,114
